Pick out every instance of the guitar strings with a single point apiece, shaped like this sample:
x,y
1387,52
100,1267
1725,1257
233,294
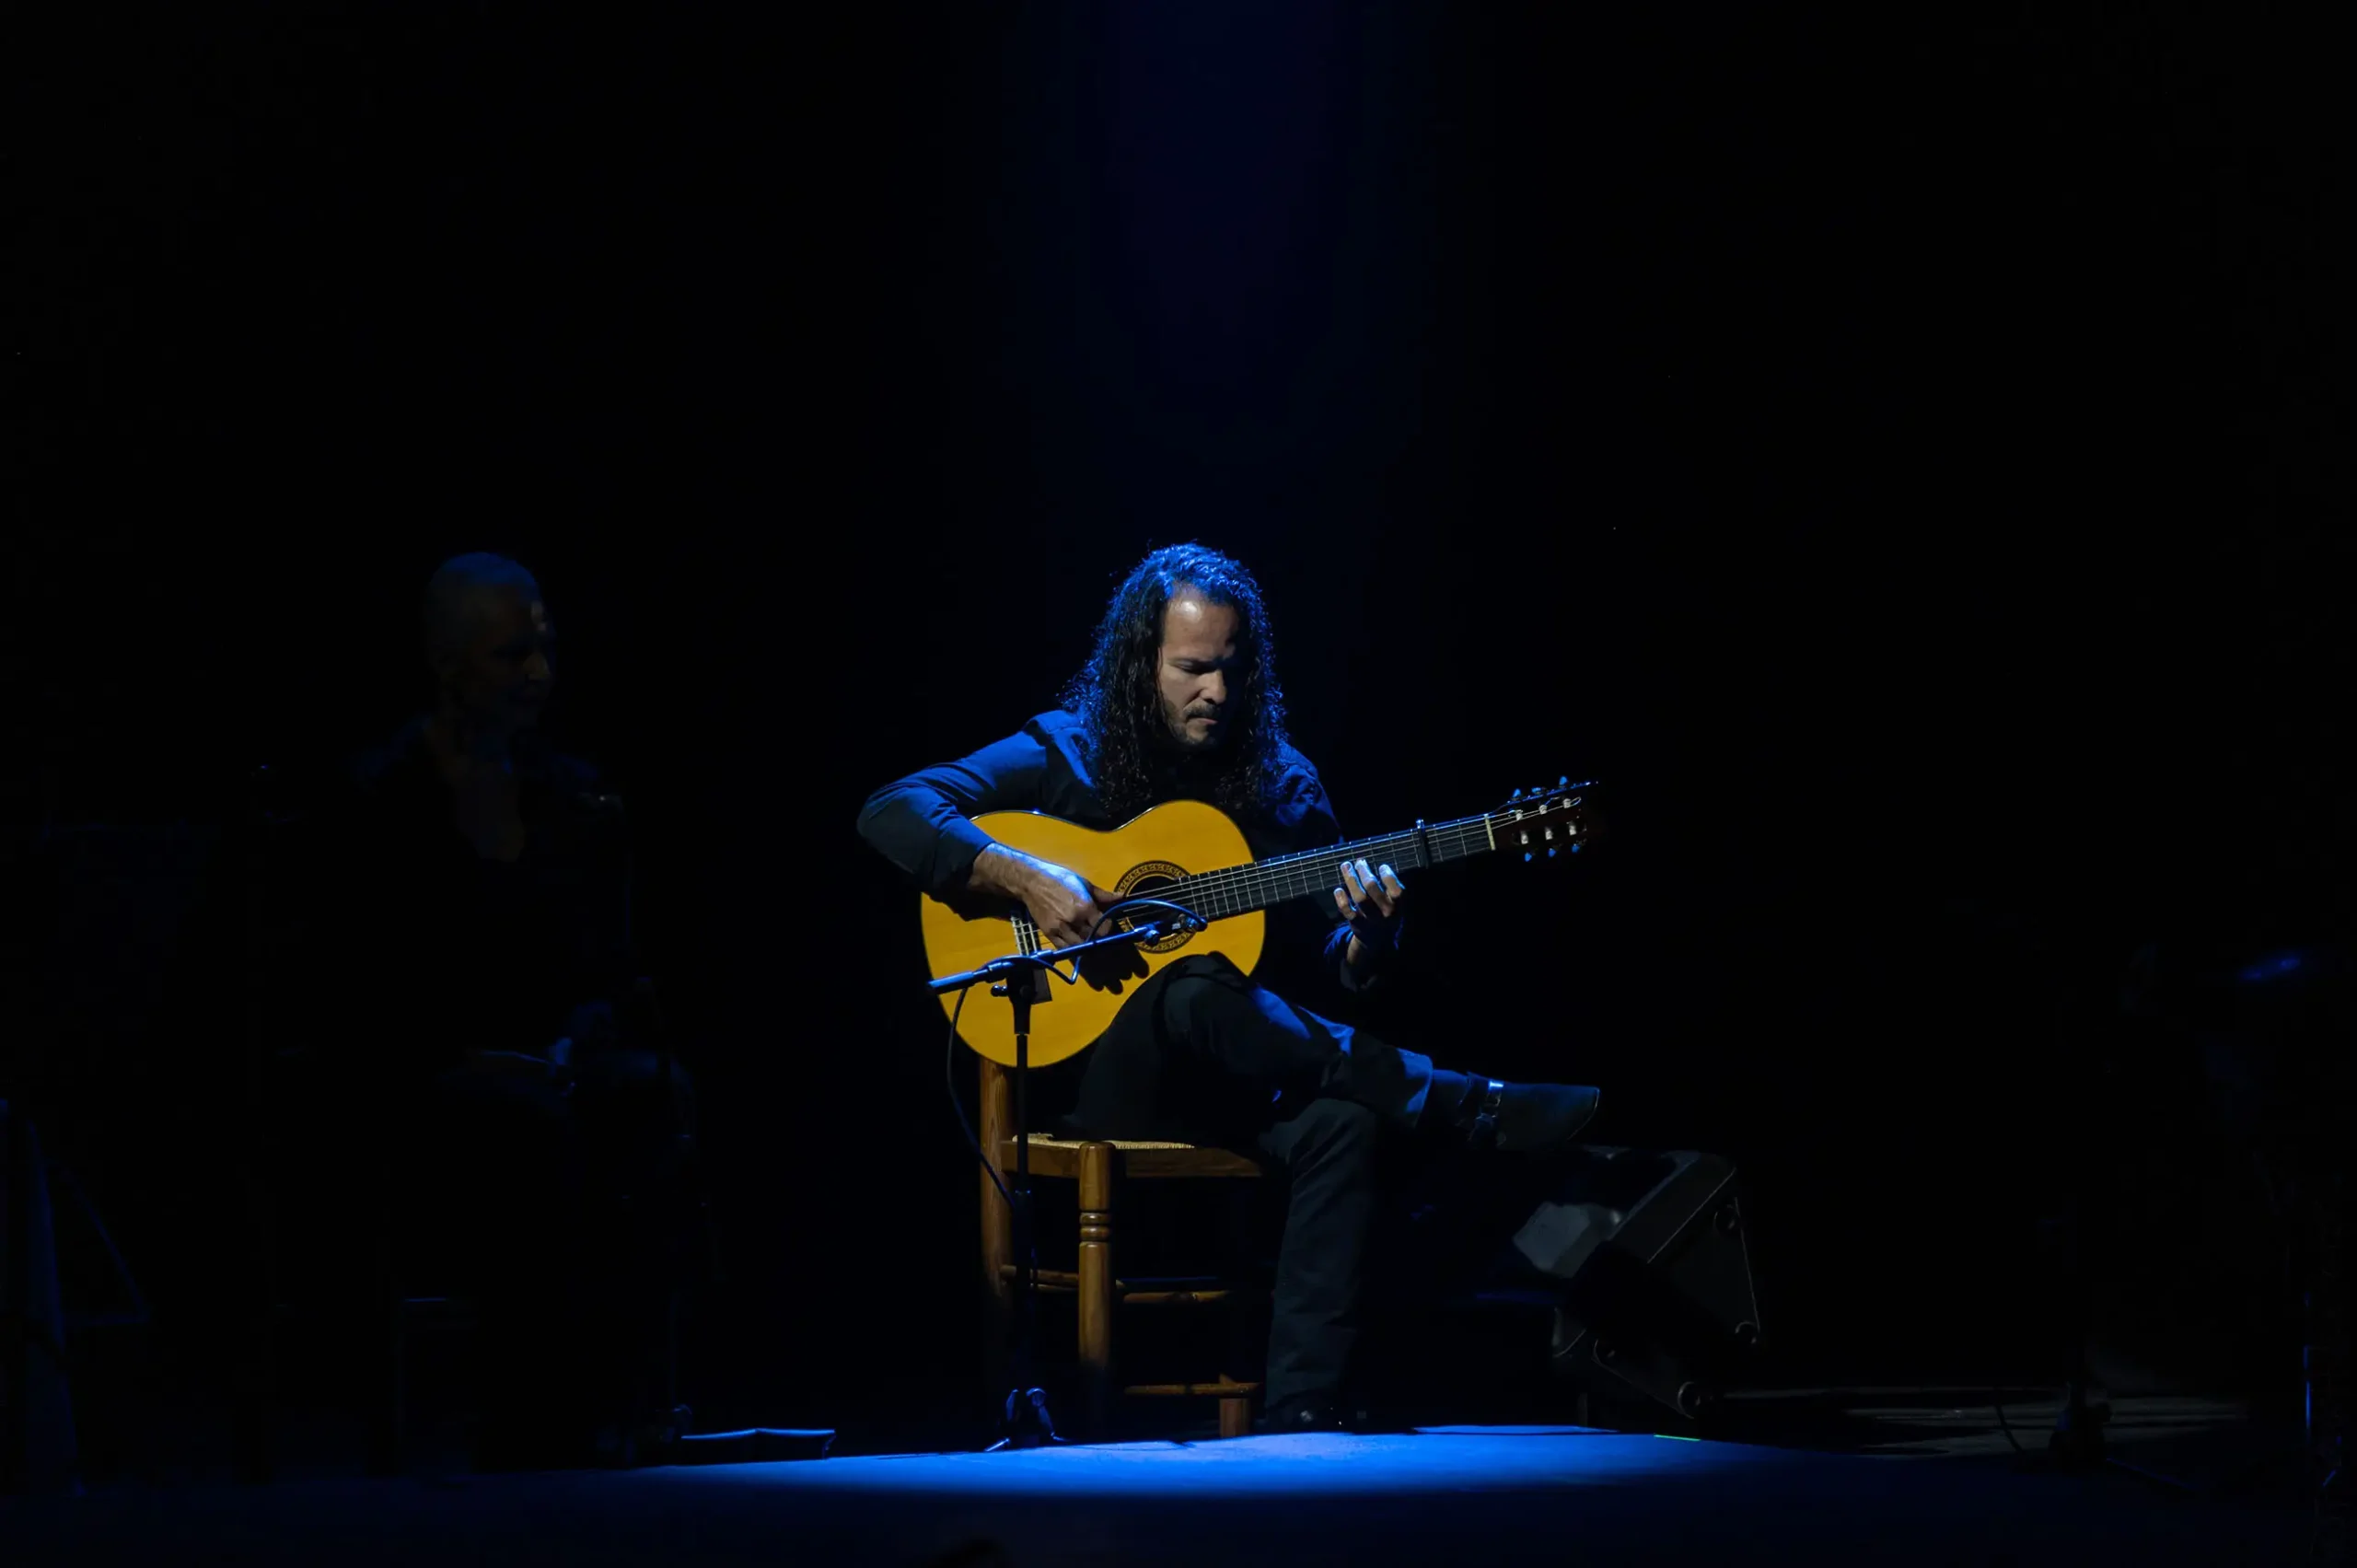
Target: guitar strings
x,y
1303,873
1307,866
1273,874
1248,885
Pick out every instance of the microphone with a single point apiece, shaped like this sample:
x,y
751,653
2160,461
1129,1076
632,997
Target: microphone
x,y
1048,958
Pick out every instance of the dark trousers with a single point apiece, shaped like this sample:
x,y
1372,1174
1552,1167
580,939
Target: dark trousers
x,y
547,1198
1204,1055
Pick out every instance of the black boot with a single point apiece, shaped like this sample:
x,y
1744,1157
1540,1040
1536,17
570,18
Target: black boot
x,y
1304,1412
1539,1120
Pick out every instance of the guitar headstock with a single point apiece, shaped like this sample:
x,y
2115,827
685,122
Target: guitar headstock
x,y
1548,822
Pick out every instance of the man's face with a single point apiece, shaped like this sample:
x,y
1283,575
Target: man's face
x,y
1198,657
502,673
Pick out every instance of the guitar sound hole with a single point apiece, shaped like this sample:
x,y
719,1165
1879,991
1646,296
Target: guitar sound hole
x,y
1146,882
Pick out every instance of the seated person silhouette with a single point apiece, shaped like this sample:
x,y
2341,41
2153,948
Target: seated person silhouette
x,y
491,1030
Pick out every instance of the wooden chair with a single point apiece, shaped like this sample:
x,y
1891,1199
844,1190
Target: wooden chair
x,y
1101,1167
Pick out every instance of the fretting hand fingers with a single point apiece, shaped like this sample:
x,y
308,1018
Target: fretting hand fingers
x,y
1369,886
1368,896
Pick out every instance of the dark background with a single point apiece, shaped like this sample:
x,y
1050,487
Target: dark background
x,y
1904,456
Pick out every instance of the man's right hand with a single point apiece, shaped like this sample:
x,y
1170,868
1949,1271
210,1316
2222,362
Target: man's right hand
x,y
1062,902
1064,905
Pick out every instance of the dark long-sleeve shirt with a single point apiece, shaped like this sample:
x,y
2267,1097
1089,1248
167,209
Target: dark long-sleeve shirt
x,y
922,824
431,951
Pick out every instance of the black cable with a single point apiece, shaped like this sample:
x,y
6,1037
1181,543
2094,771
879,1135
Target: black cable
x,y
1998,1404
1115,912
949,1080
139,1316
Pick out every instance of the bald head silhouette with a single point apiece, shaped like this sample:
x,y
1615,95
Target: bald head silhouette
x,y
490,644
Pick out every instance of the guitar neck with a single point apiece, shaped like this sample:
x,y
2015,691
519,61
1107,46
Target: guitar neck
x,y
1239,889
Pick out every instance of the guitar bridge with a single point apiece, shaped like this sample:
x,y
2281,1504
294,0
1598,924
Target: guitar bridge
x,y
1026,940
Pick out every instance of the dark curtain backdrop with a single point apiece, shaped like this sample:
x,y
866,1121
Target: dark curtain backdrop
x,y
1903,455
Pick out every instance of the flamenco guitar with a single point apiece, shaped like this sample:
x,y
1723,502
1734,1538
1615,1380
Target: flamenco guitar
x,y
1193,854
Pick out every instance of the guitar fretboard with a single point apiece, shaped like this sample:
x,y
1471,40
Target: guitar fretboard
x,y
1240,888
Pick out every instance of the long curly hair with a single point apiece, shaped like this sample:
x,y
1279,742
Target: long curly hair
x,y
1119,699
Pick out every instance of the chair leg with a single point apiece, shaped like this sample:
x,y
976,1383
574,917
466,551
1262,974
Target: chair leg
x,y
258,1393
998,1233
1096,1283
387,1419
387,1369
1244,1360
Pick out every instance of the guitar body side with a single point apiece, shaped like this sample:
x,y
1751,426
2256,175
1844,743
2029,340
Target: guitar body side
x,y
1180,837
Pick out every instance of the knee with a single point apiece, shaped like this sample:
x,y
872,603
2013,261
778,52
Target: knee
x,y
632,1074
1335,1130
1193,1001
625,1095
1187,1001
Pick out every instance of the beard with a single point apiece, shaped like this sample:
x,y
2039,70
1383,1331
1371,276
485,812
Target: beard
x,y
1163,763
1174,732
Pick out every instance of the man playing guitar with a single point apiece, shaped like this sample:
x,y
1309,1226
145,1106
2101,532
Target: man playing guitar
x,y
1178,701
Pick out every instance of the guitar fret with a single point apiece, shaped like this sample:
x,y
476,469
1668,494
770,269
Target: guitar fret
x,y
1241,889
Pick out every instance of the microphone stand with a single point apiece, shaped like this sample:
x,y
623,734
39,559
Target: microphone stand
x,y
1024,1422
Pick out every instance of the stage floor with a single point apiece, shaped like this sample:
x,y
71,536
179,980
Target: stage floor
x,y
1468,1494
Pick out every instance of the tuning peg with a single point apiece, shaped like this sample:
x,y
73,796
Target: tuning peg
x,y
1527,857
1563,782
1515,796
1550,854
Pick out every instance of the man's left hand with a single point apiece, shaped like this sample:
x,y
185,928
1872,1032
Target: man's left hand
x,y
1369,899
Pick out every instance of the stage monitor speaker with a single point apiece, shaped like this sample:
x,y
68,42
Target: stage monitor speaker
x,y
1656,1272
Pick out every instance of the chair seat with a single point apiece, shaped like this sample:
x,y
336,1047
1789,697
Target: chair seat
x,y
1051,1140
1206,1289
1060,1158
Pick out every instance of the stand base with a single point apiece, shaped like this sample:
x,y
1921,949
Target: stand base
x,y
2076,1444
1024,1422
